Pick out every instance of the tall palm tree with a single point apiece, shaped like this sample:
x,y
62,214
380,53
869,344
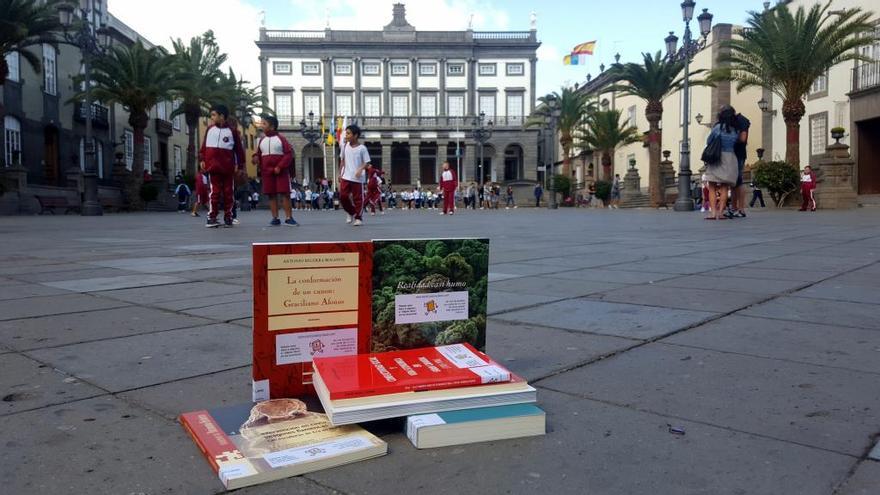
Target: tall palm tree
x,y
785,53
137,78
25,23
573,106
604,132
653,81
198,67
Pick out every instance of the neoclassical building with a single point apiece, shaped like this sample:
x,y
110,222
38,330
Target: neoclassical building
x,y
415,94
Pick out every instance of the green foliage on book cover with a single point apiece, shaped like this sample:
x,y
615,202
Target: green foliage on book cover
x,y
428,263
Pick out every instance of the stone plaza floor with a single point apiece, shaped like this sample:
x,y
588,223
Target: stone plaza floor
x,y
760,338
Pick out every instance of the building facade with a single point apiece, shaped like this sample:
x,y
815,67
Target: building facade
x,y
415,94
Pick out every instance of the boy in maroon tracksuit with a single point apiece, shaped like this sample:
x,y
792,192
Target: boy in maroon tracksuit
x,y
374,193
448,184
808,185
275,158
222,157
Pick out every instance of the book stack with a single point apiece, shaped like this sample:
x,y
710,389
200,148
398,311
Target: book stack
x,y
369,387
475,425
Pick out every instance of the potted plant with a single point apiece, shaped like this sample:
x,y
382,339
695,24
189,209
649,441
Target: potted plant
x,y
837,133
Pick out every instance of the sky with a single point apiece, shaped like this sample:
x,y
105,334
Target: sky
x,y
628,27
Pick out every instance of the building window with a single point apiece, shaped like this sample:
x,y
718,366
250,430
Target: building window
x,y
515,108
427,69
487,106
516,69
428,106
372,105
128,140
282,68
818,133
455,69
399,69
312,104
148,154
455,105
400,105
631,116
343,105
99,156
820,85
12,139
487,69
178,160
371,68
175,121
284,106
50,80
161,111
13,61
342,69
311,68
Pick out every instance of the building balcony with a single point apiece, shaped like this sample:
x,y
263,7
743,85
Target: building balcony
x,y
100,114
386,123
163,127
866,76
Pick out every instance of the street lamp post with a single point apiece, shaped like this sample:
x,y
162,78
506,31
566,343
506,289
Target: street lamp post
x,y
690,47
311,135
552,120
92,42
481,133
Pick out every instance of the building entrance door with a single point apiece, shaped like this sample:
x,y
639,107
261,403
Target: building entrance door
x,y
50,155
869,156
400,164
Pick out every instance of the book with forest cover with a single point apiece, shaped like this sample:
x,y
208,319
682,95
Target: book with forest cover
x,y
429,292
246,449
310,299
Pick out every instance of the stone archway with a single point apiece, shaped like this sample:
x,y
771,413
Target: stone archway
x,y
488,173
312,163
513,162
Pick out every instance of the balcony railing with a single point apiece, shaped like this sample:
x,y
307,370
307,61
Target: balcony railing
x,y
503,35
163,127
347,36
866,76
100,114
411,123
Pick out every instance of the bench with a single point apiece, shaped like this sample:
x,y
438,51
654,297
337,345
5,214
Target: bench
x,y
113,202
49,203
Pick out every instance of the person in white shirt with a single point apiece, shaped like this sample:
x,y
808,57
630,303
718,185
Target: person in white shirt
x,y
308,198
354,159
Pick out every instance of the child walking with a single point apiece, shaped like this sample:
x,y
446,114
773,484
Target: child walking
x,y
276,160
354,159
448,184
808,185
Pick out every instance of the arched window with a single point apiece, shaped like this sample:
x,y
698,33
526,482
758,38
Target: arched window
x,y
11,140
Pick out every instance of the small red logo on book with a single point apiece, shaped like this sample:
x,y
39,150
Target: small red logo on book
x,y
317,346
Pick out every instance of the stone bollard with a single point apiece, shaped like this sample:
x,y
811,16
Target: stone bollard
x,y
834,173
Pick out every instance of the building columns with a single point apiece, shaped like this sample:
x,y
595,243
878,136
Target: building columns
x,y
386,93
471,87
414,150
356,106
442,95
414,90
533,62
328,86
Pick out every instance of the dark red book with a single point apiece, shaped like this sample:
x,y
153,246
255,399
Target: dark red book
x,y
310,300
411,370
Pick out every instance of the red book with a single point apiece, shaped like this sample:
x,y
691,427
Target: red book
x,y
411,370
310,299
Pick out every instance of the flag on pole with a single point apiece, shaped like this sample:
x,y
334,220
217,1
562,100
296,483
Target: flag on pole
x,y
572,59
584,48
331,135
342,129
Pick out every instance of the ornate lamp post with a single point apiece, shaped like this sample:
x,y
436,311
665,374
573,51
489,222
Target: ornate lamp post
x,y
481,133
690,47
552,122
92,41
311,134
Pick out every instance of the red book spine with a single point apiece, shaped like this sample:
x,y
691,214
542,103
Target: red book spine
x,y
410,387
209,437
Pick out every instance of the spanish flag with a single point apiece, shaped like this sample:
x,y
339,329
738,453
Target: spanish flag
x,y
584,48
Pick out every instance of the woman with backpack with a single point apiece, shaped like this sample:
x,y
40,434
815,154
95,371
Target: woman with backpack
x,y
721,161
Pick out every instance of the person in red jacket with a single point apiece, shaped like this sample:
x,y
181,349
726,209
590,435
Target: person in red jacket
x,y
201,191
808,185
222,156
448,184
374,192
275,158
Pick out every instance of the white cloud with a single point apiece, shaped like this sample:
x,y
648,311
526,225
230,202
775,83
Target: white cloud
x,y
235,23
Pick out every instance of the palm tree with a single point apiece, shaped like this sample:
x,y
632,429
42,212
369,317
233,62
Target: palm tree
x,y
573,106
137,78
198,74
604,132
785,53
25,23
653,81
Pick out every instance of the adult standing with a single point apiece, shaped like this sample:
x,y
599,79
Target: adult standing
x,y
722,175
354,159
615,192
539,191
448,184
738,198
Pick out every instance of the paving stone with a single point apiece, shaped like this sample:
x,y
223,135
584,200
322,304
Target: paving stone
x,y
500,301
621,320
739,284
144,360
58,330
524,269
679,268
597,448
53,305
773,274
822,407
861,278
823,345
225,311
185,303
835,290
818,311
495,276
547,286
100,445
171,264
810,263
719,301
175,293
72,275
613,276
22,290
24,267
27,384
111,283
865,481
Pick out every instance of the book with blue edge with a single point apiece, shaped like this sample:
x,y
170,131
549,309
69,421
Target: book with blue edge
x,y
483,424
